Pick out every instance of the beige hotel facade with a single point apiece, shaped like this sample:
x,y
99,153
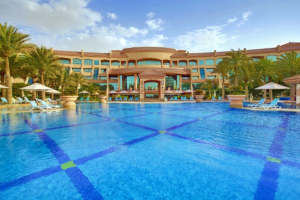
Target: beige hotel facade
x,y
153,70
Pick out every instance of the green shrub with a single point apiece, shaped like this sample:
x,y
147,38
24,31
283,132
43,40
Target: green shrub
x,y
236,90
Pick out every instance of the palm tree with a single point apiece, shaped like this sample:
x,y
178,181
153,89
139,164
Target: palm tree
x,y
44,61
65,79
78,80
237,60
264,71
223,69
11,42
247,75
288,65
208,85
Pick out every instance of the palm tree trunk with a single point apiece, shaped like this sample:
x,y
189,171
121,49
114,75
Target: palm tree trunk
x,y
8,82
33,92
77,89
236,80
246,89
3,83
209,92
223,89
42,82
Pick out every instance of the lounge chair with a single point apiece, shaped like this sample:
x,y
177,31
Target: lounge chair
x,y
273,104
37,100
136,99
52,101
172,99
175,99
213,99
181,98
4,101
191,99
87,99
125,99
19,99
35,106
185,99
255,105
116,99
15,101
48,106
81,99
120,98
26,100
220,99
109,99
131,99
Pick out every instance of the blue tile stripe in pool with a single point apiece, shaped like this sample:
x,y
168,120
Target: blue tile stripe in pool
x,y
79,180
269,168
267,184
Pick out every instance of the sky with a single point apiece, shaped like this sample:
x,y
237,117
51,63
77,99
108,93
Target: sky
x,y
192,25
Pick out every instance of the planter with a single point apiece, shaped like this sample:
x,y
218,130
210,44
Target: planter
x,y
102,98
69,101
236,101
199,98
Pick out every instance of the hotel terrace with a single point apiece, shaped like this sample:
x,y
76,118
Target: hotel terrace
x,y
153,70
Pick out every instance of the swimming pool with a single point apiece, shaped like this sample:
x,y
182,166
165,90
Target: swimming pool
x,y
150,151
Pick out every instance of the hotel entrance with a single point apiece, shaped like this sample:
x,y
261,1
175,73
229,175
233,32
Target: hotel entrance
x,y
152,90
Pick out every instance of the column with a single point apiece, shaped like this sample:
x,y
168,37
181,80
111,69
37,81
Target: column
x,y
135,82
142,93
119,82
179,82
93,69
107,82
162,63
191,83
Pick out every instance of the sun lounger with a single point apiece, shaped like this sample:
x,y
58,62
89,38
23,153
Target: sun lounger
x,y
20,100
213,99
220,98
48,106
125,99
175,99
35,106
120,98
255,105
81,99
191,99
109,99
172,99
116,99
4,101
273,104
136,99
26,100
87,99
131,99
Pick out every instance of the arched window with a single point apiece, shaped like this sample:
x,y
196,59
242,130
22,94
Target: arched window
x,y
192,63
182,63
88,62
218,60
209,62
115,63
201,62
77,61
105,62
149,62
272,57
131,63
64,61
96,62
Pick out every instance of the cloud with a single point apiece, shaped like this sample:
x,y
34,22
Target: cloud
x,y
231,20
155,24
151,15
211,37
112,15
57,16
154,41
118,30
245,18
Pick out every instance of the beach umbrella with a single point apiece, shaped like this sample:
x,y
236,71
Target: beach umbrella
x,y
52,91
271,86
3,87
188,91
112,92
84,92
123,92
178,92
36,87
134,92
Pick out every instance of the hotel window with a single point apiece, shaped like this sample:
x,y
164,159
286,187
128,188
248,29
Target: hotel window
x,y
88,62
96,62
202,73
211,77
96,73
151,86
124,63
201,62
77,61
103,78
64,61
172,82
129,82
182,63
88,77
115,63
103,70
209,62
192,63
255,59
104,62
131,63
113,78
76,70
87,70
184,77
218,60
166,63
185,86
195,70
209,70
197,86
113,86
195,77
272,57
174,64
149,62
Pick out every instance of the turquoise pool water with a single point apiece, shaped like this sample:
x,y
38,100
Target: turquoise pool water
x,y
150,151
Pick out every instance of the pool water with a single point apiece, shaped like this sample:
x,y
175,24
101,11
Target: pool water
x,y
150,151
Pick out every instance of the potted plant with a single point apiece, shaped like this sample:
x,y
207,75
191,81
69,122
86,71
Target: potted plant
x,y
69,97
236,96
199,95
102,96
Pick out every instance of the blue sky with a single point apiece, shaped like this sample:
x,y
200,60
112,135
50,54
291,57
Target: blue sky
x,y
193,25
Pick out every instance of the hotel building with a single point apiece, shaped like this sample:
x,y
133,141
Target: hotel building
x,y
153,70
